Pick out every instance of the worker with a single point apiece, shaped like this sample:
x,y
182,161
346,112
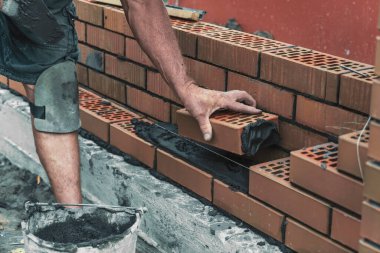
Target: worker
x,y
39,47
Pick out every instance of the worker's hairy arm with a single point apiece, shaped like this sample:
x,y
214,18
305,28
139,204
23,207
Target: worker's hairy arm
x,y
151,26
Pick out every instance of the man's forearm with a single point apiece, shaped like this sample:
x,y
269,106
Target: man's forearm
x,y
151,26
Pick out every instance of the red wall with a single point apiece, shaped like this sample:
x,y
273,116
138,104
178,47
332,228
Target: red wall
x,y
345,28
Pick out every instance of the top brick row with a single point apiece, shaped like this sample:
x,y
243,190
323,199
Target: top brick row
x,y
300,69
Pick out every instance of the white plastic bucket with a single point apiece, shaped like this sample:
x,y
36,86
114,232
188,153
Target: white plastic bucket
x,y
40,217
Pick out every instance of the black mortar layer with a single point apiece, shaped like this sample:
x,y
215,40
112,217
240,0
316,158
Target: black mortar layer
x,y
88,228
235,175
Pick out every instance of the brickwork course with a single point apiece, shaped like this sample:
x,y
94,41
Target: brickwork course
x,y
307,192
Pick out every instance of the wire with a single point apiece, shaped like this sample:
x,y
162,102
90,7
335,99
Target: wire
x,y
358,146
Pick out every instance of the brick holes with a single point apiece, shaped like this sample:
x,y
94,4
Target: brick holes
x,y
85,95
239,119
319,60
280,169
247,40
194,27
364,139
327,155
106,110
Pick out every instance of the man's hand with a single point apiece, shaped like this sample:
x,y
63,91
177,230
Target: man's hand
x,y
202,103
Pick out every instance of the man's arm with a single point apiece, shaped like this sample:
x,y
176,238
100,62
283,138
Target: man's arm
x,y
151,26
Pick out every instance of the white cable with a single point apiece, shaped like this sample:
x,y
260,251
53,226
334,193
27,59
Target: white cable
x,y
358,145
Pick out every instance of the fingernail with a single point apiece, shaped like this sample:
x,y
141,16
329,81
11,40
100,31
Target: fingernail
x,y
207,137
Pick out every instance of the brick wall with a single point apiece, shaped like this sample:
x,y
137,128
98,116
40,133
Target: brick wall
x,y
311,199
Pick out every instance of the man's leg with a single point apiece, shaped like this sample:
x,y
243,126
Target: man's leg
x,y
59,155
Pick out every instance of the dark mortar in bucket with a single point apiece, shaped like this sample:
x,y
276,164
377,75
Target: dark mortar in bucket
x,y
89,228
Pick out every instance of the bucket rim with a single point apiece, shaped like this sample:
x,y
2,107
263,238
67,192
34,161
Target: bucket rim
x,y
72,247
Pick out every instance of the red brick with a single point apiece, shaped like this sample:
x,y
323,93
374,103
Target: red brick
x,y
234,50
268,97
345,229
82,74
306,71
371,181
187,33
97,115
135,53
355,90
18,87
347,155
269,182
314,169
115,20
89,12
91,57
301,239
375,101
294,137
127,71
377,59
157,85
248,210
173,111
85,95
374,141
327,118
124,138
3,80
224,124
206,75
144,102
107,86
104,39
185,174
371,222
80,27
366,247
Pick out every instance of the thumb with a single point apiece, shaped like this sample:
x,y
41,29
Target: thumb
x,y
205,126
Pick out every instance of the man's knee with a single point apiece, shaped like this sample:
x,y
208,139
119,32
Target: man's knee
x,y
55,100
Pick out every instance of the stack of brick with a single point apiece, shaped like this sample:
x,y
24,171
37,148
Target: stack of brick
x,y
370,228
312,200
300,82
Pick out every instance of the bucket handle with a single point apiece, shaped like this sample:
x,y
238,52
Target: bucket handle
x,y
140,210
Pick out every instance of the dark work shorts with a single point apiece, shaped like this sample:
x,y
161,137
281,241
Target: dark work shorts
x,y
39,36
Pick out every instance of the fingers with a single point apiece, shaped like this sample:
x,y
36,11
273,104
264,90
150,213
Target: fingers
x,y
205,126
242,96
239,107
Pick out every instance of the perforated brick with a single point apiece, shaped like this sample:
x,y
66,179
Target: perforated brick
x,y
307,71
315,169
124,137
375,101
235,50
227,128
187,33
355,89
185,174
17,86
374,141
269,182
347,155
345,229
302,239
251,211
371,181
97,115
85,95
371,221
